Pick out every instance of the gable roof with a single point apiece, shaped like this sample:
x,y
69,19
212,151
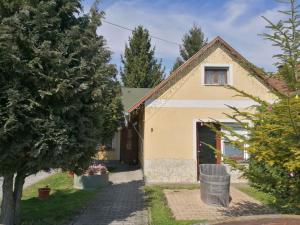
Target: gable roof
x,y
272,83
130,96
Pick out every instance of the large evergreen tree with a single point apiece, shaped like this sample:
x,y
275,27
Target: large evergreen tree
x,y
140,68
58,92
191,43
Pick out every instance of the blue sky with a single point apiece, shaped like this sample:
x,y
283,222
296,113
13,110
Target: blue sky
x,y
237,21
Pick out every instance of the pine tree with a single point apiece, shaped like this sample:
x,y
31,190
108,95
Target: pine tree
x,y
286,36
58,92
191,43
140,68
273,139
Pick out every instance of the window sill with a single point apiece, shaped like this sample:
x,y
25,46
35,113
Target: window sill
x,y
216,85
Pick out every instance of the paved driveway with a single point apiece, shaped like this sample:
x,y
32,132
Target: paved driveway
x,y
122,203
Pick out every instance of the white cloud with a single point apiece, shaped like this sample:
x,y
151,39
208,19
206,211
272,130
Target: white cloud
x,y
235,22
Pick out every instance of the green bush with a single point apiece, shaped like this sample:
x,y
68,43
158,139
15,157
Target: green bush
x,y
282,185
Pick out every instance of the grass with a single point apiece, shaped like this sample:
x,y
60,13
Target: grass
x,y
160,213
269,200
63,203
264,198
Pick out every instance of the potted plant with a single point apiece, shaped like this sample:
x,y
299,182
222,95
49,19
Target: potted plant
x,y
71,174
44,192
96,176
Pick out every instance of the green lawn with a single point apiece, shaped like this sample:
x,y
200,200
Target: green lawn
x,y
159,211
63,203
267,199
264,198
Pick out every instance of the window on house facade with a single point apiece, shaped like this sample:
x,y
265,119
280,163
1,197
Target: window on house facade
x,y
231,151
216,75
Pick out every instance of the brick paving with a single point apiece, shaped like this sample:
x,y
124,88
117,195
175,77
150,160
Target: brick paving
x,y
122,203
187,205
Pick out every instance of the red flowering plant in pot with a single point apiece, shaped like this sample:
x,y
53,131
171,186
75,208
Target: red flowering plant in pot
x,y
95,176
96,170
44,192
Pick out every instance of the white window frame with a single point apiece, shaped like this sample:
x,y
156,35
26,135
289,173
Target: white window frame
x,y
229,73
246,155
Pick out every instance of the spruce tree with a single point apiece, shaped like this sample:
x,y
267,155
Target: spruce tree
x,y
58,92
140,68
191,43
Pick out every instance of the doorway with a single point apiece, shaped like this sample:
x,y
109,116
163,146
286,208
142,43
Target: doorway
x,y
129,145
207,136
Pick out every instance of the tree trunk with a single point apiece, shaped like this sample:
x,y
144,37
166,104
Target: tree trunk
x,y
18,190
7,207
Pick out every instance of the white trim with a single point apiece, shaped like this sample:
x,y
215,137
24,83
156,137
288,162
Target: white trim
x,y
242,132
229,78
194,136
165,103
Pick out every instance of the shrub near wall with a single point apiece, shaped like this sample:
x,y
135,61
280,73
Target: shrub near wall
x,y
284,186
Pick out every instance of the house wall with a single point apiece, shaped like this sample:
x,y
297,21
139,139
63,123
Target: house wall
x,y
170,119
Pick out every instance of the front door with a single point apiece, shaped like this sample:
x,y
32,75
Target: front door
x,y
206,135
206,155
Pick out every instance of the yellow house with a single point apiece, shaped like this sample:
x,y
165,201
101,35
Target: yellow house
x,y
164,126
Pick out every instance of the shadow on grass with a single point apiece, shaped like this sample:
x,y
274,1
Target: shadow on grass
x,y
246,208
277,205
117,202
57,209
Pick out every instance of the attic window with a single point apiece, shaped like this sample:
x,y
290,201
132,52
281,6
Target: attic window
x,y
216,75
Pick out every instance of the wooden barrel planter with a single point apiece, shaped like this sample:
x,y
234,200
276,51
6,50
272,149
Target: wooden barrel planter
x,y
91,181
215,184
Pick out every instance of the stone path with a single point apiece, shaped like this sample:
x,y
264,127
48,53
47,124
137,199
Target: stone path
x,y
30,179
122,203
187,205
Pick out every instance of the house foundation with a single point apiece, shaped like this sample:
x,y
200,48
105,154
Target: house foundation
x,y
170,171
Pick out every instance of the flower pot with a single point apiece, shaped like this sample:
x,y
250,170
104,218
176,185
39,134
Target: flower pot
x,y
71,174
44,193
91,181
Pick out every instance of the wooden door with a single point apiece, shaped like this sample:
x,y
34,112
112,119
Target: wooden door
x,y
129,145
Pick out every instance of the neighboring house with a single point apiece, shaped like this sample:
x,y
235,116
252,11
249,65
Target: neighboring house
x,y
164,126
112,151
